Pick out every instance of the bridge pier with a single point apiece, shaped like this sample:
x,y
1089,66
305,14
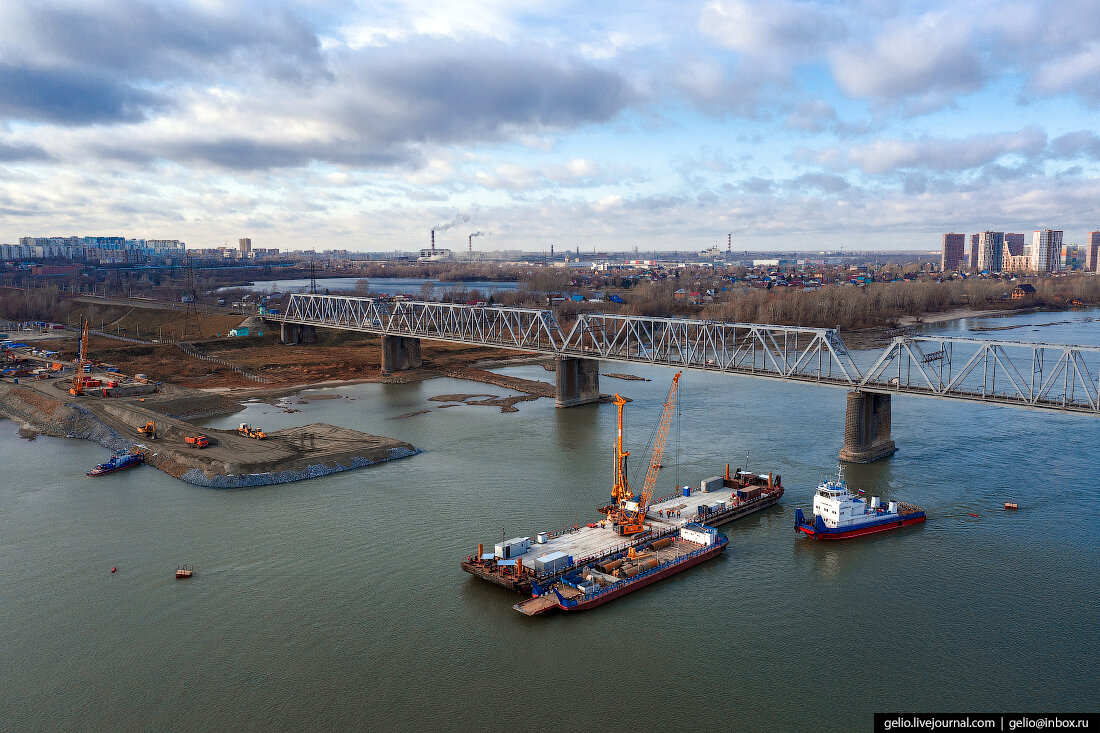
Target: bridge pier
x,y
578,382
867,428
296,333
400,353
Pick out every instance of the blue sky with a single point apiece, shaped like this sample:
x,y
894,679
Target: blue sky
x,y
612,125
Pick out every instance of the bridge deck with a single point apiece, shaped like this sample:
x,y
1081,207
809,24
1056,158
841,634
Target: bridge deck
x,y
1059,377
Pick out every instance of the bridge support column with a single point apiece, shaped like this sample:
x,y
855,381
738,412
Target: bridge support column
x,y
290,333
578,382
400,353
867,428
307,334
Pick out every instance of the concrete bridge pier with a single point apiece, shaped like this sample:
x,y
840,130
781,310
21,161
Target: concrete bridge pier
x,y
400,353
867,428
295,333
578,382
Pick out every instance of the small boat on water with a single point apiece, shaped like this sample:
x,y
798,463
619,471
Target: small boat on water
x,y
840,514
1011,505
118,462
184,571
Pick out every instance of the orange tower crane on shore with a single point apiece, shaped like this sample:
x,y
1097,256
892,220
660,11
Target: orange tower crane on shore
x,y
628,521
78,379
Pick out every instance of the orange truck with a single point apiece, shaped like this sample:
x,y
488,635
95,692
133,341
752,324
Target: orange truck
x,y
197,441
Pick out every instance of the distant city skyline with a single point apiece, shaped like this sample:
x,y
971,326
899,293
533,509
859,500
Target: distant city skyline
x,y
792,126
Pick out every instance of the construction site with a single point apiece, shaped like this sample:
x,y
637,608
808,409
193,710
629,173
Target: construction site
x,y
640,540
47,390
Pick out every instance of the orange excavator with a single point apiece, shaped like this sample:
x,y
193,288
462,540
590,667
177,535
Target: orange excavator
x,y
77,389
627,513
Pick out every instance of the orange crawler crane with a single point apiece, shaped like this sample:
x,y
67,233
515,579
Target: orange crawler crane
x,y
628,519
78,379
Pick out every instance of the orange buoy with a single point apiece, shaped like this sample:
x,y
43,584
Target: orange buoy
x,y
113,569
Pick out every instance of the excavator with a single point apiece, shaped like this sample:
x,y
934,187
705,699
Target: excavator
x,y
149,430
250,432
627,513
77,390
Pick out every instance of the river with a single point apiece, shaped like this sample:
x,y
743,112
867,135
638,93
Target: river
x,y
338,603
381,285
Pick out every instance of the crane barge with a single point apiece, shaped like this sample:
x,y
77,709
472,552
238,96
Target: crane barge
x,y
639,541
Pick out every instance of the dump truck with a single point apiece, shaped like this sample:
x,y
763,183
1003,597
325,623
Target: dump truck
x,y
197,441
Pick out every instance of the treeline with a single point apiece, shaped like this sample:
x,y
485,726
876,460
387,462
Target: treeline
x,y
884,304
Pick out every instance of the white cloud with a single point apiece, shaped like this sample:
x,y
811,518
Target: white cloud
x,y
930,58
933,154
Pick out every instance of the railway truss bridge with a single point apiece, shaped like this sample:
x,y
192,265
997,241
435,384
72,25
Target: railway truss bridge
x,y
1060,377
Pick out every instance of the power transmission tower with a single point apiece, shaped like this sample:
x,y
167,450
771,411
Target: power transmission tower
x,y
312,278
191,315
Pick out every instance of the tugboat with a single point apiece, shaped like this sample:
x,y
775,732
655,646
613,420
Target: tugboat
x,y
839,514
118,462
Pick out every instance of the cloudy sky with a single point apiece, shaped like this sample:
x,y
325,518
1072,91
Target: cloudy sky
x,y
657,125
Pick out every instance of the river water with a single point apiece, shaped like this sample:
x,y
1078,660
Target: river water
x,y
382,285
338,603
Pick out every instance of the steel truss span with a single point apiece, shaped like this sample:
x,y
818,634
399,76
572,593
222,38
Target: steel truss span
x,y
1048,376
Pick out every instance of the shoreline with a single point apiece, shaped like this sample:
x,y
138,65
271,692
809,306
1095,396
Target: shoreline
x,y
231,462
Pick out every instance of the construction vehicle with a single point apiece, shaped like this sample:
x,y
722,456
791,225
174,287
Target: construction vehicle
x,y
149,430
77,389
250,432
627,512
197,441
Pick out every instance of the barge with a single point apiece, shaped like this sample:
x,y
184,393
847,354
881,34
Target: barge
x,y
840,514
632,523
597,583
545,556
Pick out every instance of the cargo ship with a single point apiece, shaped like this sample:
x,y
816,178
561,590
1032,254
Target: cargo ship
x,y
118,462
527,563
839,514
597,583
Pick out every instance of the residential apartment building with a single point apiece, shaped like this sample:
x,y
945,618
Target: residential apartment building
x,y
972,262
954,246
1094,251
93,249
1073,256
1046,248
990,251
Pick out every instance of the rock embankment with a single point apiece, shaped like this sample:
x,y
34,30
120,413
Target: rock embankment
x,y
231,461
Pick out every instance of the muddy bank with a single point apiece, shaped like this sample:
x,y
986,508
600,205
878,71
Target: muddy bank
x,y
231,461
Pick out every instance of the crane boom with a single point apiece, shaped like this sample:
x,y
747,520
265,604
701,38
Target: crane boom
x,y
659,446
78,379
628,521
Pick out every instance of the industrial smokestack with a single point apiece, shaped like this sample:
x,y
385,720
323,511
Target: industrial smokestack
x,y
470,242
433,241
729,242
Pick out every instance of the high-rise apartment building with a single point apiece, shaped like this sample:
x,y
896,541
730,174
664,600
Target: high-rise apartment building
x,y
1094,251
973,260
1072,257
1046,248
990,250
246,245
953,247
1015,244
